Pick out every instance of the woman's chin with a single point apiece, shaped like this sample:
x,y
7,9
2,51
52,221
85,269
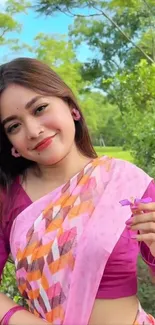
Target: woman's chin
x,y
49,160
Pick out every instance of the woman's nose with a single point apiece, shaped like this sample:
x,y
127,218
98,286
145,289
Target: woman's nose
x,y
33,129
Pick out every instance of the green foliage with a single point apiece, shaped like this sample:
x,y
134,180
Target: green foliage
x,y
100,114
115,152
8,285
110,29
49,7
135,94
145,288
7,24
58,53
102,118
8,21
15,7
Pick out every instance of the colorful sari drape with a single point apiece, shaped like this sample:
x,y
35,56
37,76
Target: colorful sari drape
x,y
61,243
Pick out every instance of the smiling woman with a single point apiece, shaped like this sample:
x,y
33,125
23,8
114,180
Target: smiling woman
x,y
72,244
32,129
35,105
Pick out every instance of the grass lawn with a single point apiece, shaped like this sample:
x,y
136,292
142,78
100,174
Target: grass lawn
x,y
116,152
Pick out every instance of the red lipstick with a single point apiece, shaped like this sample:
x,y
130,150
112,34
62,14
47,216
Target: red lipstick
x,y
43,144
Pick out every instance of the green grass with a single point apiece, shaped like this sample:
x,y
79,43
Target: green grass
x,y
115,152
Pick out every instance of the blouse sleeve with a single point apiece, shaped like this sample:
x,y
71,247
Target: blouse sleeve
x,y
148,258
4,253
11,206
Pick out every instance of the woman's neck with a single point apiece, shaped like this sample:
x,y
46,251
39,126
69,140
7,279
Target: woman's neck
x,y
65,169
37,185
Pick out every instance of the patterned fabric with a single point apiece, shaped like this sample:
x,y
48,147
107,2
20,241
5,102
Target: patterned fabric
x,y
51,246
143,318
73,231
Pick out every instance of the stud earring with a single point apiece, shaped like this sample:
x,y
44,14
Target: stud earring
x,y
15,153
76,114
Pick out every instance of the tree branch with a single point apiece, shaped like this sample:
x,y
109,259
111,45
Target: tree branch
x,y
103,13
80,15
124,34
4,32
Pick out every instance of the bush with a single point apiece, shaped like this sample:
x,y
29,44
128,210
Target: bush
x,y
145,288
8,284
136,97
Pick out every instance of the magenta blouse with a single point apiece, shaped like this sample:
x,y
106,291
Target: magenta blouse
x,y
120,275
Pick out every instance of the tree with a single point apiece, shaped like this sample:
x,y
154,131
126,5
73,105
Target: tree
x,y
115,31
99,114
58,53
138,110
8,22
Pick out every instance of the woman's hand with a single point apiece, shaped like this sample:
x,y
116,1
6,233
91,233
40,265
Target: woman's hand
x,y
143,221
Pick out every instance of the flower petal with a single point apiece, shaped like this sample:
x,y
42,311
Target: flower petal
x,y
146,200
125,202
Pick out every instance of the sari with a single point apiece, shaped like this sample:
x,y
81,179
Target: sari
x,y
62,242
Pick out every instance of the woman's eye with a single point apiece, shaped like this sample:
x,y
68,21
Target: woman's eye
x,y
40,109
12,128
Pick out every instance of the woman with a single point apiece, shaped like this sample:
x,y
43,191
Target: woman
x,y
74,246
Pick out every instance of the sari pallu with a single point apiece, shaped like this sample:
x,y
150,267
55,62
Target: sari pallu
x,y
62,242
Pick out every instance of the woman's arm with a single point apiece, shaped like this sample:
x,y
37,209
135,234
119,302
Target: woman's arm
x,y
21,317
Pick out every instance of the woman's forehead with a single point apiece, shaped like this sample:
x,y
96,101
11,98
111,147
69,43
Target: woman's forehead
x,y
14,97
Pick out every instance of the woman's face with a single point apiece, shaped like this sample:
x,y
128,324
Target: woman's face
x,y
40,128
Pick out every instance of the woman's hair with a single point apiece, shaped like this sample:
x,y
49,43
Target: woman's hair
x,y
39,77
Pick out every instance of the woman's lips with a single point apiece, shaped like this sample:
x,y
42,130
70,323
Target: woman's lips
x,y
44,144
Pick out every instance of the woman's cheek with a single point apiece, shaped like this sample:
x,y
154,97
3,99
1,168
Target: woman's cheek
x,y
19,141
50,122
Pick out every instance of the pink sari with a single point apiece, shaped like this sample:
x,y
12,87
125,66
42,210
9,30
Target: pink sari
x,y
62,242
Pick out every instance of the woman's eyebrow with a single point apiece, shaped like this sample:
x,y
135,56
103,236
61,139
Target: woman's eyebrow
x,y
9,119
27,106
32,101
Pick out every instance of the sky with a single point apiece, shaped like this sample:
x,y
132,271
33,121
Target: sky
x,y
34,24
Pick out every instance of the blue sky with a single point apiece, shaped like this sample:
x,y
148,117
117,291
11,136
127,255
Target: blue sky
x,y
34,24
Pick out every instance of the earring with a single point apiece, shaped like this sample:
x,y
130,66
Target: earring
x,y
76,114
15,153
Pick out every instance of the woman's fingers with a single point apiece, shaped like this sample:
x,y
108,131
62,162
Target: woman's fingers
x,y
145,226
150,237
145,207
142,218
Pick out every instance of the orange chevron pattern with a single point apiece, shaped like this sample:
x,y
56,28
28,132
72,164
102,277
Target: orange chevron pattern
x,y
44,270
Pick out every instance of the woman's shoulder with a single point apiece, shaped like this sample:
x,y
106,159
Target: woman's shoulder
x,y
133,171
124,174
13,201
124,166
10,195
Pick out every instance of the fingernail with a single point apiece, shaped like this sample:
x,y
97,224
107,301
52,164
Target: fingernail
x,y
129,222
134,207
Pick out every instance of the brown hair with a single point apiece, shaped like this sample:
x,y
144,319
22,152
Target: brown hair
x,y
38,76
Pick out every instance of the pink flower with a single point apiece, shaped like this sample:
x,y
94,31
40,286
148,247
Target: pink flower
x,y
135,201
